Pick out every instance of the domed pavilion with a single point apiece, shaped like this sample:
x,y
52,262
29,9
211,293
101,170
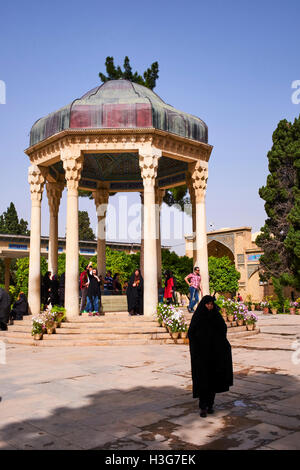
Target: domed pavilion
x,y
120,136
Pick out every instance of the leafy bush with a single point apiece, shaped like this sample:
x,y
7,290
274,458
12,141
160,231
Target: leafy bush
x,y
223,276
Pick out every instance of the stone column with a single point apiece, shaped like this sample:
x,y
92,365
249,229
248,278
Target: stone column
x,y
73,165
7,273
159,195
189,182
148,160
101,196
36,181
199,177
54,192
142,235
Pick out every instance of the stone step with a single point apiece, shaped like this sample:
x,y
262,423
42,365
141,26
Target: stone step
x,y
103,342
101,328
88,336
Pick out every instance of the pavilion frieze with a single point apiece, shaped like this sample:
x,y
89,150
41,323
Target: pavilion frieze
x,y
49,151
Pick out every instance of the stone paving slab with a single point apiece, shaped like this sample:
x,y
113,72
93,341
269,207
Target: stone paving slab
x,y
139,397
290,442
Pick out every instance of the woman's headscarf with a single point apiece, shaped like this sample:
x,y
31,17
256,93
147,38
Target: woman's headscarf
x,y
201,309
134,277
202,314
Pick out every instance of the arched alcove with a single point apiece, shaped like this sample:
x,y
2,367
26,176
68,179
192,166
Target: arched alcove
x,y
218,250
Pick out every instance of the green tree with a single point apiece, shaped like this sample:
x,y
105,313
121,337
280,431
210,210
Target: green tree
x,y
85,230
22,273
61,263
178,195
223,276
121,262
114,73
10,223
280,236
180,266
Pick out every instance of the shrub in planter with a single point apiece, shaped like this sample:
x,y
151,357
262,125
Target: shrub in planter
x,y
265,305
293,307
38,324
59,314
274,306
251,320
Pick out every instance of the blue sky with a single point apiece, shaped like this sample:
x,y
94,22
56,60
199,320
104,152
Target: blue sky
x,y
229,62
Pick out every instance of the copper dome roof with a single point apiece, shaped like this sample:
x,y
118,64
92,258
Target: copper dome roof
x,y
119,104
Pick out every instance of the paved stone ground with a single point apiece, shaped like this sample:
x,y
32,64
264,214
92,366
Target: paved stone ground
x,y
139,397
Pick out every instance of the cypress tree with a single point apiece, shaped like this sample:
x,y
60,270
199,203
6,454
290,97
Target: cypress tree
x,y
85,231
280,236
9,222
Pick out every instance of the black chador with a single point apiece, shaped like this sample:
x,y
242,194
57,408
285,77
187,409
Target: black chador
x,y
210,353
134,293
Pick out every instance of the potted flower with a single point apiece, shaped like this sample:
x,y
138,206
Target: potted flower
x,y
251,320
230,306
241,314
298,309
175,330
293,306
274,305
49,321
183,327
37,327
265,306
175,323
59,314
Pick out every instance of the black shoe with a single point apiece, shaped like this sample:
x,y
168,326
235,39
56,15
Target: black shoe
x,y
203,413
210,411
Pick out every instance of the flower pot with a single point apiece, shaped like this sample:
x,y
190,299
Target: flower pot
x,y
274,311
183,334
38,336
57,324
240,322
223,310
234,323
250,326
51,330
298,311
230,318
266,310
175,334
252,308
292,311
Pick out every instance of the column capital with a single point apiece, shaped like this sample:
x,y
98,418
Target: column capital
x,y
54,192
199,176
36,181
72,165
148,161
101,196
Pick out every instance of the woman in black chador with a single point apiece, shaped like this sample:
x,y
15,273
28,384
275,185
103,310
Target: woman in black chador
x,y
20,307
134,293
210,355
46,288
